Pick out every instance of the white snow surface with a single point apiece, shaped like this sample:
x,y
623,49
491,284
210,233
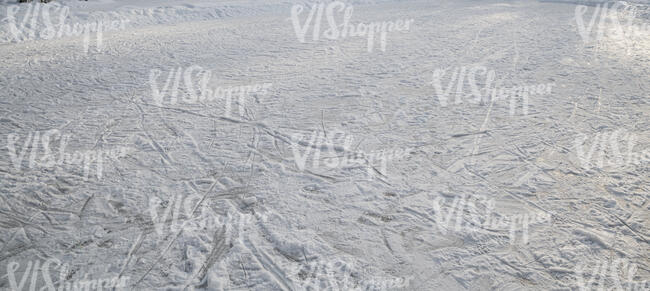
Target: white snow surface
x,y
257,221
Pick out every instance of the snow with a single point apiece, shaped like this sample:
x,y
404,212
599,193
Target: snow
x,y
215,145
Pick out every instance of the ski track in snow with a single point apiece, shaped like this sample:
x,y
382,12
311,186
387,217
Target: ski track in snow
x,y
277,227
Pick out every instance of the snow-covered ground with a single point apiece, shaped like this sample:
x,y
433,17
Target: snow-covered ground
x,y
225,145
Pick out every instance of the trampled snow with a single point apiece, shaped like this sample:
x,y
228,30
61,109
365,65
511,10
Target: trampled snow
x,y
305,145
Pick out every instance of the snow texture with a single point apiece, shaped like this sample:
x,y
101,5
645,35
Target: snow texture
x,y
332,164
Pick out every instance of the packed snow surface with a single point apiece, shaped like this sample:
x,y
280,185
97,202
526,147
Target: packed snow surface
x,y
248,145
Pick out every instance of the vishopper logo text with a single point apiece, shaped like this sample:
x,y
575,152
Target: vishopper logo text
x,y
34,269
617,22
476,214
618,274
52,24
478,85
372,30
340,275
336,148
609,151
178,214
195,88
51,158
